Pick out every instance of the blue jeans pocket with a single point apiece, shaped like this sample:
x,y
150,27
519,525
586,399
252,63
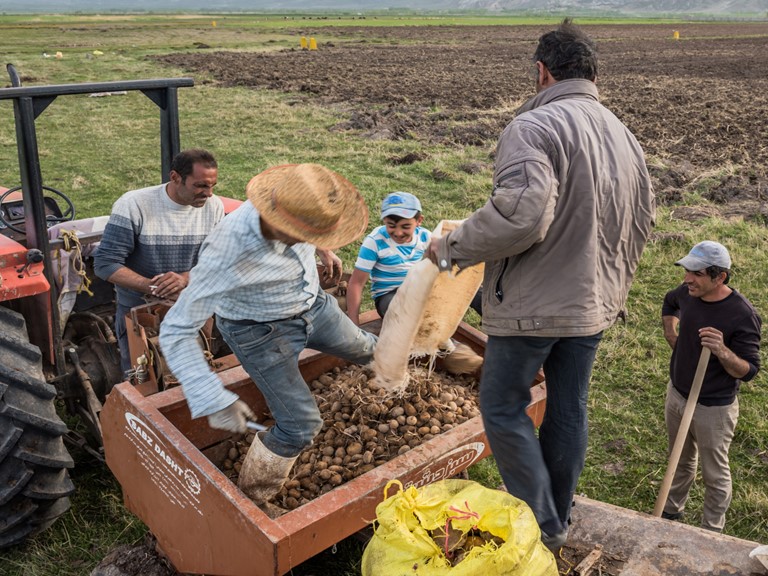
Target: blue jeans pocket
x,y
250,336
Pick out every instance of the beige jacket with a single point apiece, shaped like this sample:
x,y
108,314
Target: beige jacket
x,y
567,221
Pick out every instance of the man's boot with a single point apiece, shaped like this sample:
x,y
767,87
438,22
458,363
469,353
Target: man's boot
x,y
462,360
262,476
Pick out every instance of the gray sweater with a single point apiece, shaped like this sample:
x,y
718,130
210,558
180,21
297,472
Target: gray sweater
x,y
151,234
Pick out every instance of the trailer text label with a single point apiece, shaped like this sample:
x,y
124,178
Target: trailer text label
x,y
449,465
178,483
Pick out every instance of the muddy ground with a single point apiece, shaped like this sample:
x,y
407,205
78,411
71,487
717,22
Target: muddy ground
x,y
697,104
145,560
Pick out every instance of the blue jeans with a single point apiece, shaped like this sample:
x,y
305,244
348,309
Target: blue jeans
x,y
269,353
542,472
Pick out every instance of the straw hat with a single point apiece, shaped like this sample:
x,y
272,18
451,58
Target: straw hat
x,y
310,203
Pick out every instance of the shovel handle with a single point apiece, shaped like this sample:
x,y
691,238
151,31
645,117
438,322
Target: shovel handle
x,y
682,431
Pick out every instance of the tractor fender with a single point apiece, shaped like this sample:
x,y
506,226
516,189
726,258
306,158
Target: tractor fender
x,y
17,279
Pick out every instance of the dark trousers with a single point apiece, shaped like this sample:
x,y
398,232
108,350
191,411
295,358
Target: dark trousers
x,y
543,471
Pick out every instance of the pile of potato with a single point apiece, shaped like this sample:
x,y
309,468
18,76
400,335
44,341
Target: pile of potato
x,y
365,427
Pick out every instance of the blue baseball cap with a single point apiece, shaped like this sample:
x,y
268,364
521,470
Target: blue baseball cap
x,y
400,204
704,255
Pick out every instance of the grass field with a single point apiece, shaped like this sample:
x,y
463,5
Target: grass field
x,y
94,149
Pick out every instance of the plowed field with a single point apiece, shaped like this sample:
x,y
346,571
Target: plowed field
x,y
697,104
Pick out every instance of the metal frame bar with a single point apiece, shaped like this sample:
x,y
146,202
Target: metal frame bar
x,y
28,104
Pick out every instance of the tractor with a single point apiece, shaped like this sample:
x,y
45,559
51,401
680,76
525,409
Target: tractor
x,y
57,346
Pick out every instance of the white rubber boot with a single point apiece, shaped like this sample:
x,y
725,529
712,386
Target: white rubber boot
x,y
262,476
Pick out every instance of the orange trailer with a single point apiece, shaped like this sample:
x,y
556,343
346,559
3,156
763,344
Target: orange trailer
x,y
166,464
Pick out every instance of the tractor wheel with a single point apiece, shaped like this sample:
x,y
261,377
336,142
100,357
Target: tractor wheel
x,y
34,480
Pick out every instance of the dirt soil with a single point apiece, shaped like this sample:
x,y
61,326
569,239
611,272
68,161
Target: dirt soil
x,y
694,103
580,561
145,560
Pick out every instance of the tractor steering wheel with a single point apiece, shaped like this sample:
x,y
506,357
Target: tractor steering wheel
x,y
67,215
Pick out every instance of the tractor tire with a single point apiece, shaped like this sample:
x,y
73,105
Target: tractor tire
x,y
34,476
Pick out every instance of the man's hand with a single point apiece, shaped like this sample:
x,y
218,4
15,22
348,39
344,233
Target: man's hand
x,y
712,338
233,418
670,324
332,265
168,285
436,251
431,251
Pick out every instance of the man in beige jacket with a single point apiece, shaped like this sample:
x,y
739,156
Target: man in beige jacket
x,y
561,236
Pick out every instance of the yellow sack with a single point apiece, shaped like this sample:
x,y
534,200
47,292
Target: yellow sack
x,y
429,531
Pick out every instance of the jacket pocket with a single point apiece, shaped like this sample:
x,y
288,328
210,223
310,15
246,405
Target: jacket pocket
x,y
498,290
509,189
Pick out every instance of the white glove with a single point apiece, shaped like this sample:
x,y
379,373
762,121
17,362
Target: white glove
x,y
232,418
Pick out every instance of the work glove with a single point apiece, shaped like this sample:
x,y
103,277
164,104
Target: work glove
x,y
232,418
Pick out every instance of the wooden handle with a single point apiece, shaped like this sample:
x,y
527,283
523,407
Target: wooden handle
x,y
682,432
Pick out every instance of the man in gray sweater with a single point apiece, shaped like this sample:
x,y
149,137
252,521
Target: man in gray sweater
x,y
154,234
561,237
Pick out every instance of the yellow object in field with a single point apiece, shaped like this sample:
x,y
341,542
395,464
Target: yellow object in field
x,y
676,35
213,23
303,42
409,525
59,56
312,44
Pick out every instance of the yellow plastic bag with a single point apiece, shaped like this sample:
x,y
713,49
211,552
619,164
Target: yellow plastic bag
x,y
409,537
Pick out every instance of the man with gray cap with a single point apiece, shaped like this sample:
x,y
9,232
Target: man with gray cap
x,y
705,312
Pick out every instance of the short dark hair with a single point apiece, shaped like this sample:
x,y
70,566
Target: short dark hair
x,y
567,52
184,162
715,271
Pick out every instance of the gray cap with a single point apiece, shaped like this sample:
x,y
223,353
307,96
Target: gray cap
x,y
704,255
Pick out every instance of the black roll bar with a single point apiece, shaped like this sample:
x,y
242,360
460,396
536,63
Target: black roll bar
x,y
28,104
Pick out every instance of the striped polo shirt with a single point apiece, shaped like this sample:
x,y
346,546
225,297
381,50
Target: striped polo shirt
x,y
388,262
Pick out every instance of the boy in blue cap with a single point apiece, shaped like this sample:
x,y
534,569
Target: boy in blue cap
x,y
388,252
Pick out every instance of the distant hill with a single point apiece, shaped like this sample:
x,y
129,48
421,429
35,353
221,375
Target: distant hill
x,y
712,8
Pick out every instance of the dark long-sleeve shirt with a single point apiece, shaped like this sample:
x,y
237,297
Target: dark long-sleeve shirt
x,y
740,324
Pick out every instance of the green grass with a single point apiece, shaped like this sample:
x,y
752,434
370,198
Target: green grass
x,y
94,149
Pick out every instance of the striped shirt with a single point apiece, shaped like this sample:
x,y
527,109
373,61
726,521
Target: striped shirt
x,y
151,234
240,275
387,261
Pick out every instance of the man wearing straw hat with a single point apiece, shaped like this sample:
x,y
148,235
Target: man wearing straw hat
x,y
257,273
704,311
